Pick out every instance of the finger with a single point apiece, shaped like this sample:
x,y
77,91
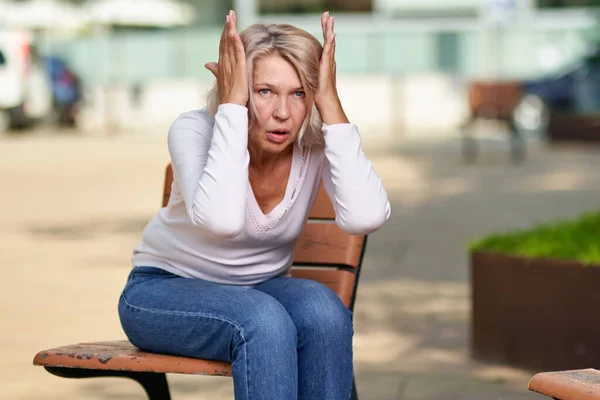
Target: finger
x,y
330,29
223,37
326,51
239,48
332,25
232,48
237,41
229,34
324,18
332,48
212,67
333,73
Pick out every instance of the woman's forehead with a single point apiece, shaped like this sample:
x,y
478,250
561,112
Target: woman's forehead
x,y
276,71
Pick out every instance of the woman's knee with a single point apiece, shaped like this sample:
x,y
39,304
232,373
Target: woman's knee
x,y
323,313
268,321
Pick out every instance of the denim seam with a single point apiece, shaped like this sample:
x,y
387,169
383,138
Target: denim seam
x,y
197,314
186,313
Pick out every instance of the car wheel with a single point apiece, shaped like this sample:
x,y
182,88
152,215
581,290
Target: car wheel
x,y
531,115
5,121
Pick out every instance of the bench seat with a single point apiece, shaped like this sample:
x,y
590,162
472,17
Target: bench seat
x,y
581,384
121,355
323,253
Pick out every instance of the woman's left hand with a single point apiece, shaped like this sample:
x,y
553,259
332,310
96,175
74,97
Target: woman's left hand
x,y
326,97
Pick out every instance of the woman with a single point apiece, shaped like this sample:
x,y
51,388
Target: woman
x,y
210,278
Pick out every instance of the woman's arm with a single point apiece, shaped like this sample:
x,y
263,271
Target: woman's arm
x,y
210,158
358,196
359,199
210,164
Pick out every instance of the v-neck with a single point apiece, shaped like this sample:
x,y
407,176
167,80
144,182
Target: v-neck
x,y
264,220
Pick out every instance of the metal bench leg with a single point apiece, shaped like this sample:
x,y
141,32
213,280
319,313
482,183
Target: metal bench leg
x,y
155,384
470,147
517,144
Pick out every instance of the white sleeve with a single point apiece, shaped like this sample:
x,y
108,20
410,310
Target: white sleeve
x,y
360,201
210,164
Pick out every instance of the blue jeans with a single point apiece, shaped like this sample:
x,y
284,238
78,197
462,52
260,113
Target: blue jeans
x,y
285,338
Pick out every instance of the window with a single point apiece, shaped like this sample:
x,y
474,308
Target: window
x,y
448,51
313,6
567,3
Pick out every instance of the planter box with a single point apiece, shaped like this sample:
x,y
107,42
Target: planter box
x,y
574,127
535,314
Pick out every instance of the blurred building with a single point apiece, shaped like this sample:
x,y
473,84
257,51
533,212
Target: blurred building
x,y
415,57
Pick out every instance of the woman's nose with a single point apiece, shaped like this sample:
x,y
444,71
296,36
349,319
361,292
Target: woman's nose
x,y
282,109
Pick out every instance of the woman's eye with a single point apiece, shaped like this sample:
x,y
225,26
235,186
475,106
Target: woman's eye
x,y
299,93
263,91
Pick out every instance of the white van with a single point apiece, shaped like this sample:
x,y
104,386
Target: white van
x,y
25,90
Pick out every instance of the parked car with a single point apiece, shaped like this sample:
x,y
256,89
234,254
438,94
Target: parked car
x,y
575,89
26,94
66,90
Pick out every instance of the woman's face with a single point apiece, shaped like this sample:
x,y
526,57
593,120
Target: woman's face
x,y
281,104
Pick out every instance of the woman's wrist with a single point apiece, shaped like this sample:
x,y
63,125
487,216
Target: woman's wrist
x,y
331,111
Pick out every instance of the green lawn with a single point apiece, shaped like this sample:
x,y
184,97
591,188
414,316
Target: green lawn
x,y
570,240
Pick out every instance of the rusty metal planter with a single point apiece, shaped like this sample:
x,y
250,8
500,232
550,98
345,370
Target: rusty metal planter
x,y
536,314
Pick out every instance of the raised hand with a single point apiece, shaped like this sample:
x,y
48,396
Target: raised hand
x,y
230,71
326,96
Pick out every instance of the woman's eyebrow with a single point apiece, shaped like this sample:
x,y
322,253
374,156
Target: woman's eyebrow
x,y
263,84
268,85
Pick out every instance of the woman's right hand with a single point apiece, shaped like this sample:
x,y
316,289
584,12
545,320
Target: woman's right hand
x,y
230,71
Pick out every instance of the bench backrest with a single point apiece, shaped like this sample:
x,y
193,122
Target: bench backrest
x,y
323,251
493,99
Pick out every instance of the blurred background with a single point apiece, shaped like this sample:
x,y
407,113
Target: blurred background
x,y
481,116
112,64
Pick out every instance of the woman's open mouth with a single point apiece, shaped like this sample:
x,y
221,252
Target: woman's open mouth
x,y
278,135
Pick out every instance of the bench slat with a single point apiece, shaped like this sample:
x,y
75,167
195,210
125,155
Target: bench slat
x,y
340,281
123,356
326,243
322,208
582,384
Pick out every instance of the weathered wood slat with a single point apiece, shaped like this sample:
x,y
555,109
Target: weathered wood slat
x,y
326,243
322,209
582,384
123,356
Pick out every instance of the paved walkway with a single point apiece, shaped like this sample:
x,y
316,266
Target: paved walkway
x,y
71,210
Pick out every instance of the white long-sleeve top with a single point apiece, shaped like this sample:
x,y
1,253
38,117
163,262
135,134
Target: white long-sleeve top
x,y
213,227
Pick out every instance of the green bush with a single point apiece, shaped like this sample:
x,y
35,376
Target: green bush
x,y
568,240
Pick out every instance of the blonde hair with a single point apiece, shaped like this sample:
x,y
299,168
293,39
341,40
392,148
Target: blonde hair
x,y
299,48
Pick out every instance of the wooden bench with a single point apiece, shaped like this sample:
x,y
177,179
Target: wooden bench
x,y
582,384
491,100
323,253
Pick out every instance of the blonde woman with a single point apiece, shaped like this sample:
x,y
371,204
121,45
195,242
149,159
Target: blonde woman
x,y
210,277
